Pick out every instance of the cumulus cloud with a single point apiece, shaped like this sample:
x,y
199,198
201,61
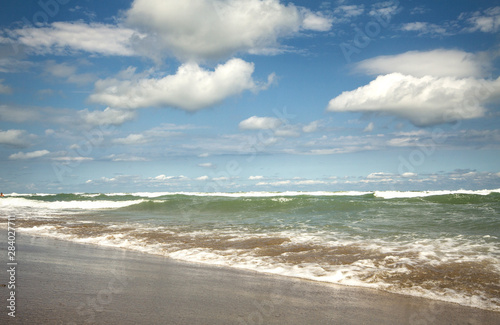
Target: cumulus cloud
x,y
13,65
107,117
206,165
424,101
385,8
260,123
29,155
190,30
16,138
311,127
132,139
369,127
487,21
439,63
67,72
350,10
18,114
124,157
310,182
191,88
425,28
287,131
276,183
163,178
159,133
316,21
203,29
379,175
69,37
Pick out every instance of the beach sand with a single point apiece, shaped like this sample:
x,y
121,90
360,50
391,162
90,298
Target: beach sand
x,y
59,282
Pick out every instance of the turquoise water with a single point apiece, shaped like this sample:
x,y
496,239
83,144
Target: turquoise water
x,y
441,245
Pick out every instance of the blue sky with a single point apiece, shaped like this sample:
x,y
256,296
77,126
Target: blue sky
x,y
249,95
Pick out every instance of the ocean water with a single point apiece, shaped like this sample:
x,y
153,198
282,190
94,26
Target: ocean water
x,y
442,245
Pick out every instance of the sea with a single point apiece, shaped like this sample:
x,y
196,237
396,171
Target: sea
x,y
442,245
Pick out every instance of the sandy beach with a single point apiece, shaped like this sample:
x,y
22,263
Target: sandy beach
x,y
60,282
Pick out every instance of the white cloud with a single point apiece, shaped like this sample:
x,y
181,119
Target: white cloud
x,y
68,72
311,127
408,175
203,29
418,10
68,37
260,123
350,10
163,178
106,117
191,88
12,64
29,155
156,134
424,101
72,159
316,21
16,138
287,131
385,8
379,175
439,63
403,142
276,183
131,139
4,89
206,165
222,178
294,182
203,178
124,157
255,177
369,127
424,28
310,182
487,21
18,114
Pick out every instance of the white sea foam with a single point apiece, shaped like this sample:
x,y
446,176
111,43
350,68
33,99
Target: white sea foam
x,y
412,194
429,251
17,202
396,255
245,194
381,194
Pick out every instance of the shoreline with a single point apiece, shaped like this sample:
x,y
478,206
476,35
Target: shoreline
x,y
63,282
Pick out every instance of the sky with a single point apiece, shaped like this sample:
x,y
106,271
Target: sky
x,y
249,95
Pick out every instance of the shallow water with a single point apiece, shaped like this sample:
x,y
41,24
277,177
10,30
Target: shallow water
x,y
441,245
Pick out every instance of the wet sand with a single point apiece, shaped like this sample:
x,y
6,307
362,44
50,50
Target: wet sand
x,y
59,282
